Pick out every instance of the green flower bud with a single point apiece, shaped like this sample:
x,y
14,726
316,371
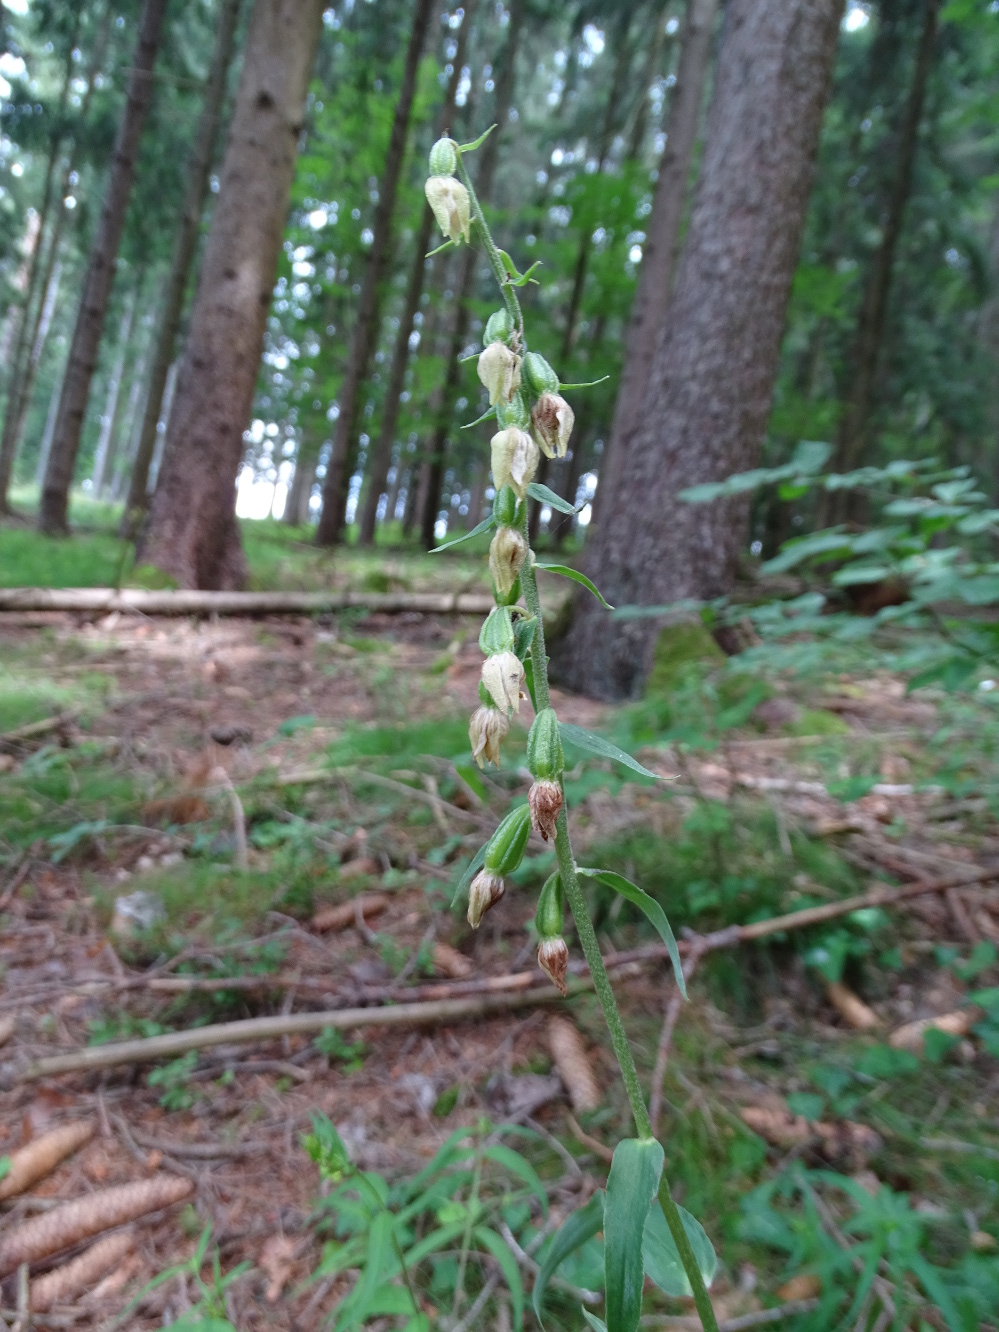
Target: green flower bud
x,y
498,328
544,746
443,158
538,374
508,843
496,634
514,413
550,915
509,598
505,506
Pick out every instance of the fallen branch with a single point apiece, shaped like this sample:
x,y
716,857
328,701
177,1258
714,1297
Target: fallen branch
x,y
32,730
269,1028
146,602
78,1220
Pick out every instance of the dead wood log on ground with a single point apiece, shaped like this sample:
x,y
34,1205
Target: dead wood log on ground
x,y
145,602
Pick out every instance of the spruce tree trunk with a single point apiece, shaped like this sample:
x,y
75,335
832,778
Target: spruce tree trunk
x,y
185,244
655,273
362,344
300,490
381,454
706,405
192,533
110,419
854,426
85,346
432,479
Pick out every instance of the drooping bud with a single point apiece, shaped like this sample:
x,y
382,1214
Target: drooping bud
x,y
545,800
486,731
499,370
499,328
553,959
544,746
538,374
507,552
496,634
514,412
449,200
485,892
508,843
504,505
552,420
550,914
515,459
503,676
443,158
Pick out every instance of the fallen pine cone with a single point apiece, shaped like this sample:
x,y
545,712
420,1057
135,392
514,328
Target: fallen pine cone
x,y
41,1156
75,1221
910,1037
65,1284
851,1007
778,1127
342,917
573,1065
449,962
843,1141
802,1287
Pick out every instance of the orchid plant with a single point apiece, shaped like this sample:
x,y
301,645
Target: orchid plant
x,y
645,1232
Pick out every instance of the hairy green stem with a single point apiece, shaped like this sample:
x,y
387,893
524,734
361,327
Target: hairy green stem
x,y
563,851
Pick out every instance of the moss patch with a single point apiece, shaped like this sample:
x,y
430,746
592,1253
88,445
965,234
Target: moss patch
x,y
678,647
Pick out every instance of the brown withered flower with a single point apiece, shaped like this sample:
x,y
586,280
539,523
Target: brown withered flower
x,y
485,892
545,800
486,731
552,420
553,959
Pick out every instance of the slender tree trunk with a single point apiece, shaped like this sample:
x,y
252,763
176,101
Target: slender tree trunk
x,y
444,414
53,512
300,490
116,468
711,384
109,420
184,247
381,454
362,345
655,273
192,533
855,421
163,425
48,431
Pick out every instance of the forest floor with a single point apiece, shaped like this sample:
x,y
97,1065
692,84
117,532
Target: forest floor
x,y
800,1117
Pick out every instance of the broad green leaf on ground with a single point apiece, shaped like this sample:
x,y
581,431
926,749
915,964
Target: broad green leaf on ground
x,y
631,1187
566,572
575,1230
596,744
651,908
662,1259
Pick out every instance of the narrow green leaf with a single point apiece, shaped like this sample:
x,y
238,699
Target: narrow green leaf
x,y
523,630
497,1246
522,279
486,416
373,1274
484,526
446,246
651,908
476,143
529,680
545,496
596,1323
662,1259
476,863
577,577
576,1229
596,744
631,1186
590,383
519,1166
437,1239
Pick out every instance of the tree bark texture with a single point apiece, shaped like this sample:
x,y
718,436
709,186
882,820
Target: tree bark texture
x,y
655,273
854,426
192,533
444,399
85,346
185,244
362,343
381,456
109,421
711,382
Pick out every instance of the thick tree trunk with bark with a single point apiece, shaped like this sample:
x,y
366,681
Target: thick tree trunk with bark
x,y
432,478
85,346
708,397
854,426
192,533
185,244
362,343
655,274
381,456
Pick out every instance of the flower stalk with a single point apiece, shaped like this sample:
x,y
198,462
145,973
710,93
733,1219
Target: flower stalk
x,y
563,848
